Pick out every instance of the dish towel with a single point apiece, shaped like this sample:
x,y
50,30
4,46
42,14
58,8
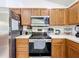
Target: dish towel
x,y
39,44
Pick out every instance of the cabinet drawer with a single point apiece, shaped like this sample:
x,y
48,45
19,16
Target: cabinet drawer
x,y
22,49
58,41
22,54
22,41
21,45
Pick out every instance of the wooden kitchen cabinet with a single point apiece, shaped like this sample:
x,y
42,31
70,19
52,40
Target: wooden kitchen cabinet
x,y
25,16
16,10
72,49
58,48
72,53
74,14
26,13
35,11
40,12
13,14
58,17
78,12
22,48
44,12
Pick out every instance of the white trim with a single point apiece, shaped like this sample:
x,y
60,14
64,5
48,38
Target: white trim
x,y
15,5
72,3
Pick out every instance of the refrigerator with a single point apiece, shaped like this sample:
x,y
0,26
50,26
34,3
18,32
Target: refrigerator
x,y
4,32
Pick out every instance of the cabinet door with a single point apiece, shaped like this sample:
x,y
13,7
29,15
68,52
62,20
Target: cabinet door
x,y
35,12
58,48
16,10
25,16
44,12
22,48
58,17
73,14
52,17
21,54
73,49
58,51
72,52
78,12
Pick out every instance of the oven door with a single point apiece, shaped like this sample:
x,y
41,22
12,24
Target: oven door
x,y
40,52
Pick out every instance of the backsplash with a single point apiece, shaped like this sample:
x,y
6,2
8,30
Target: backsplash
x,y
64,30
57,30
73,30
39,29
68,30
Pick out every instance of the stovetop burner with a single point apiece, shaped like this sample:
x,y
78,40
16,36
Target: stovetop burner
x,y
37,35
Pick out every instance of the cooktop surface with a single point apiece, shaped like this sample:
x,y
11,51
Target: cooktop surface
x,y
36,35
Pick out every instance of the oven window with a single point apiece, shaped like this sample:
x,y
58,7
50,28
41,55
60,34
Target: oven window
x,y
40,52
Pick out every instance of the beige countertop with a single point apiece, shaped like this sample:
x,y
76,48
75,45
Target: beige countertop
x,y
69,37
73,38
23,36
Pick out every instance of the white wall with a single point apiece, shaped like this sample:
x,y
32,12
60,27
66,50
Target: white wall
x,y
3,3
64,2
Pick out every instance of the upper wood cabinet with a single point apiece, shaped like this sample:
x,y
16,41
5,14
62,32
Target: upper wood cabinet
x,y
58,48
28,12
13,15
74,14
16,10
44,12
40,12
25,16
35,12
58,17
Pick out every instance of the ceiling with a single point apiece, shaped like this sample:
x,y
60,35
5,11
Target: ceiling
x,y
37,3
64,2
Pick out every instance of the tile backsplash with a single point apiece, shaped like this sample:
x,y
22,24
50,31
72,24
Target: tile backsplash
x,y
60,28
64,30
68,30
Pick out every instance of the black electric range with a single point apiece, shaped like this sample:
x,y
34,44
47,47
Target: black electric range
x,y
40,52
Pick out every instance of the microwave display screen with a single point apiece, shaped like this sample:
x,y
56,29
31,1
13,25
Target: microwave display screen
x,y
39,29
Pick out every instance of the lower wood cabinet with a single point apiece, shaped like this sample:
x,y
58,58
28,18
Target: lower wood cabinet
x,y
22,48
58,48
73,53
64,48
73,49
